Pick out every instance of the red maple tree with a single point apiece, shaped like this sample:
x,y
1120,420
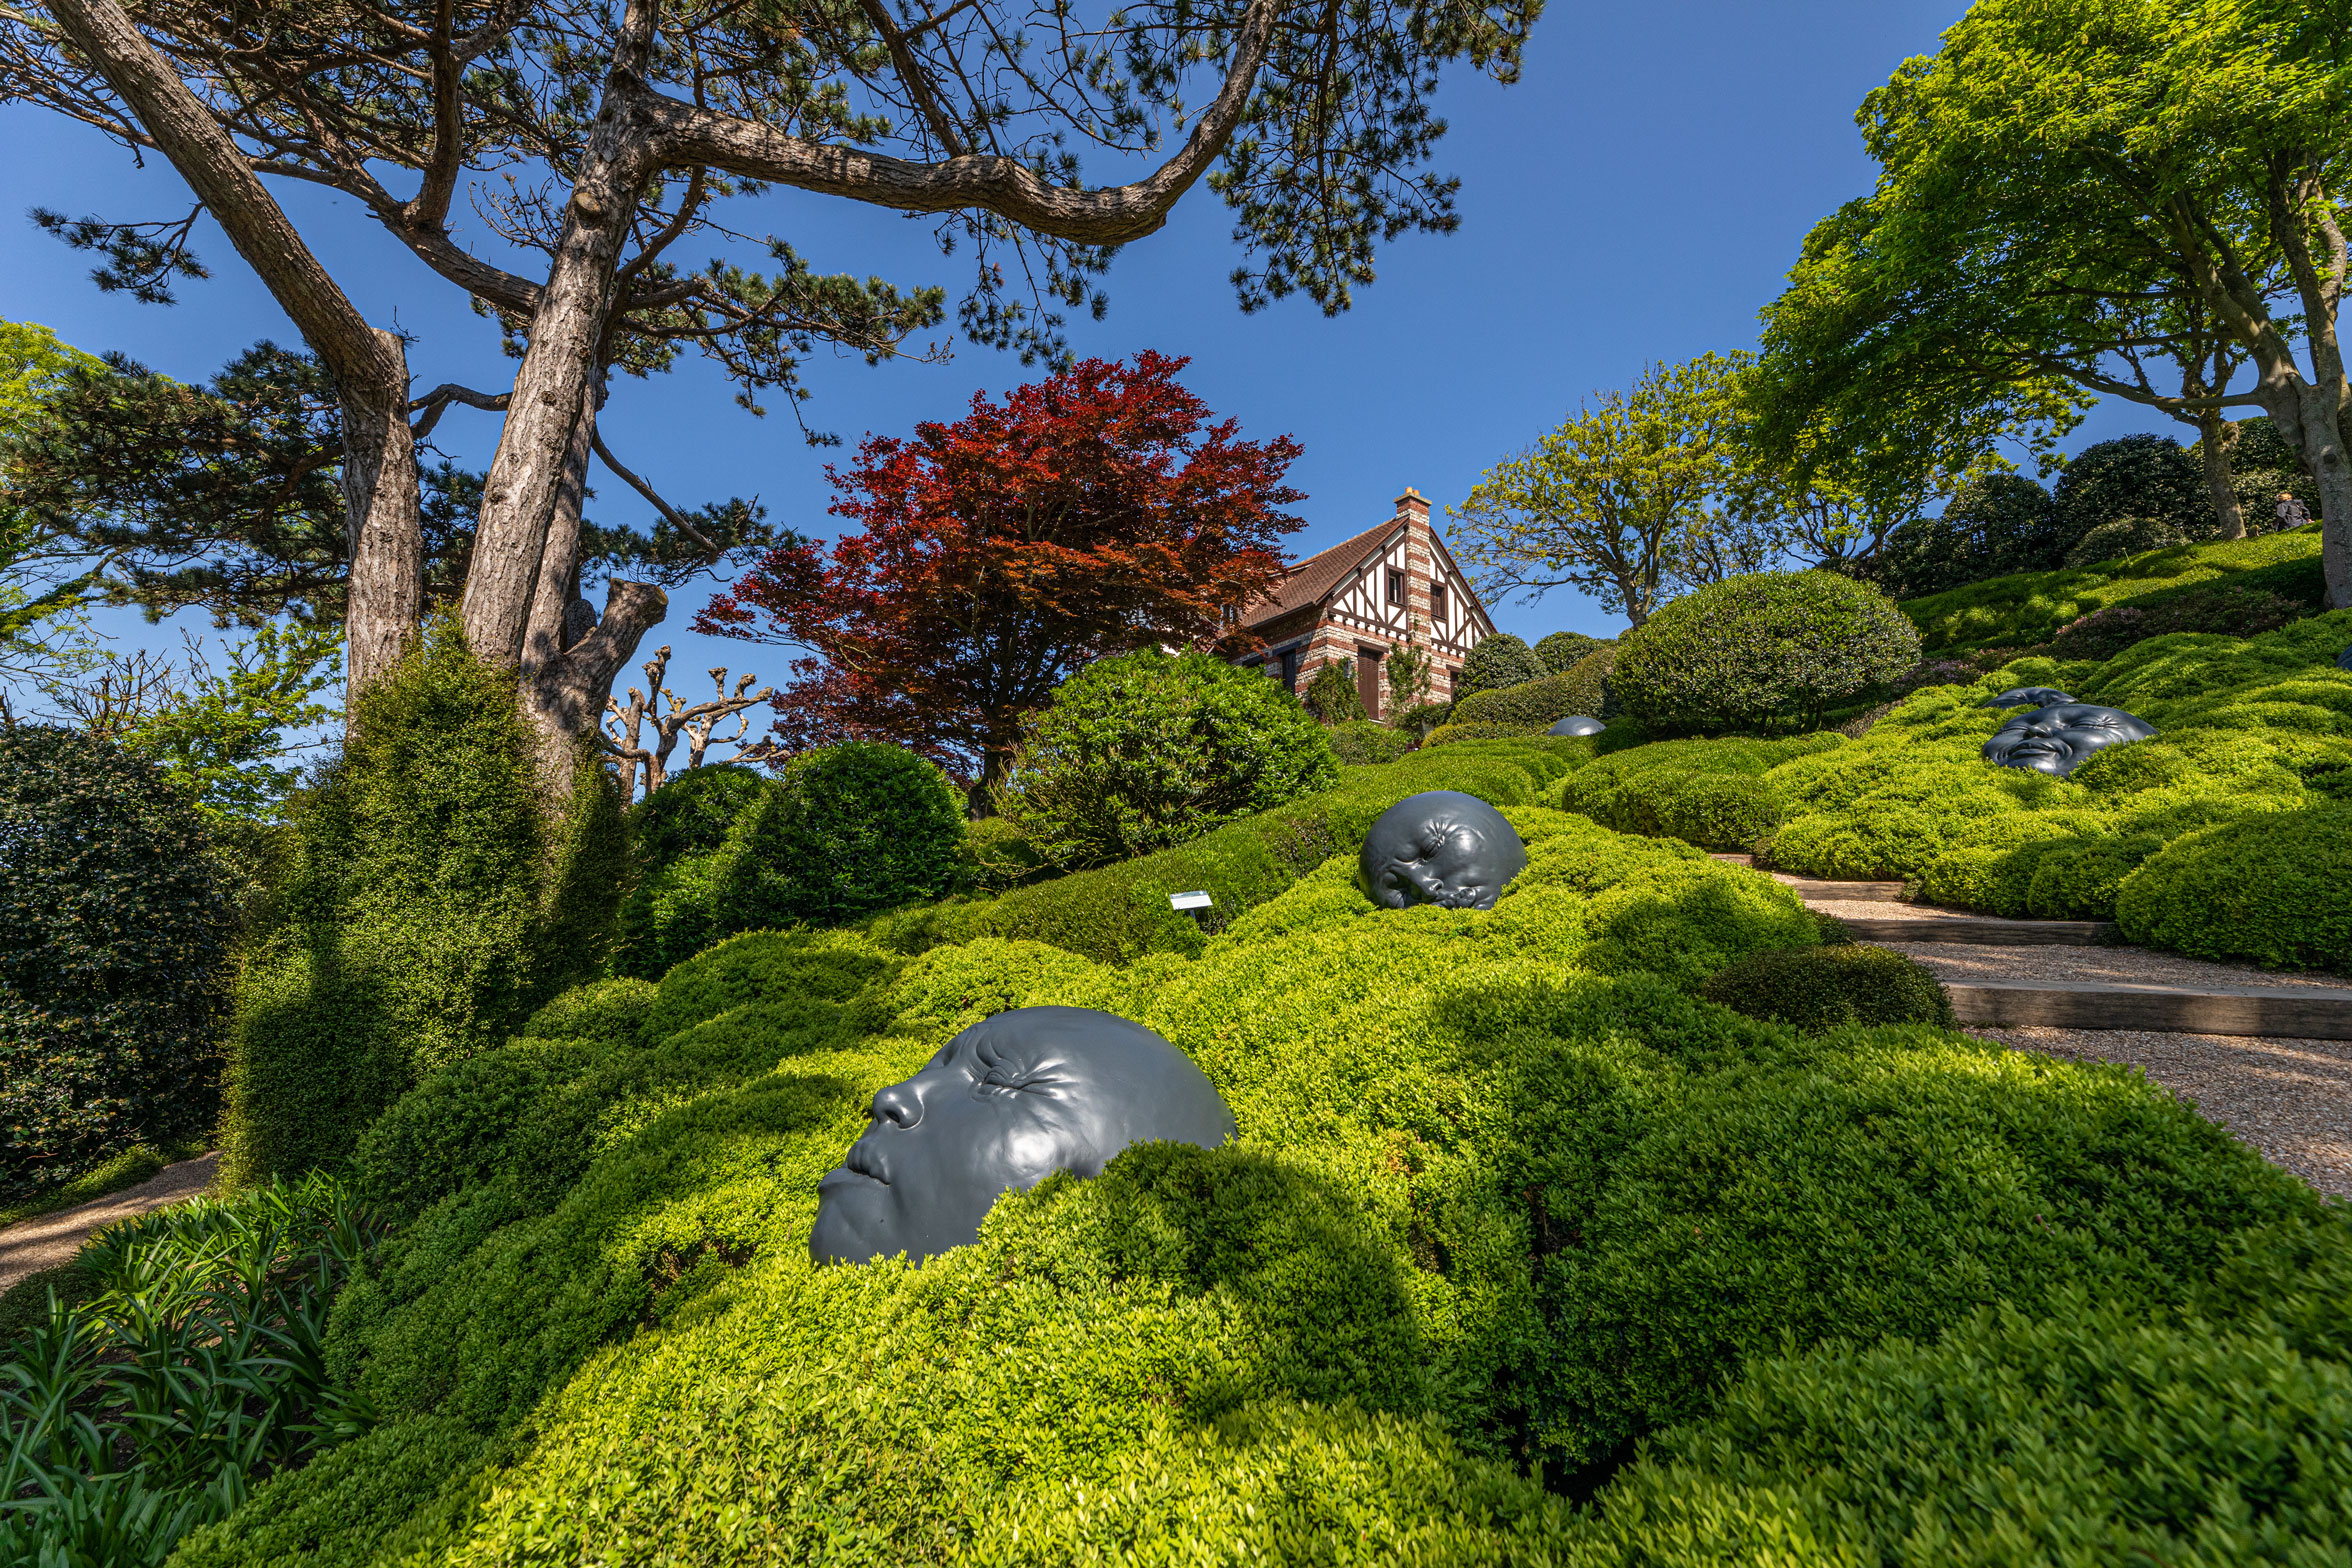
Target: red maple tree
x,y
1090,514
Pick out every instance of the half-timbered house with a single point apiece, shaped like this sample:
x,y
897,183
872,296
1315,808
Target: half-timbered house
x,y
1394,584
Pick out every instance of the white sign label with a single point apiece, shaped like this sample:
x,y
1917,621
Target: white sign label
x,y
1199,900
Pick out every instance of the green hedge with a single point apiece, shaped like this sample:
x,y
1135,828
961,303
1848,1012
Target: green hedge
x,y
1818,988
2029,608
1761,651
1121,912
1711,793
1505,1195
1536,704
1363,742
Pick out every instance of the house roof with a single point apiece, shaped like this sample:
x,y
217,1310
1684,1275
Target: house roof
x,y
1318,574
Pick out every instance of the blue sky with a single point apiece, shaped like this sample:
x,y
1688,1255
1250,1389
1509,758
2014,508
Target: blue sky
x,y
1636,197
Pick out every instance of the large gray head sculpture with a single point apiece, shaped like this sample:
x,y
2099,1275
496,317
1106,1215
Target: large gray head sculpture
x,y
2344,660
1440,847
1002,1106
2028,697
2058,739
1575,724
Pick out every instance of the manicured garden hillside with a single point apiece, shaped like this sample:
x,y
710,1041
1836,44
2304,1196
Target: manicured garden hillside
x,y
2029,608
2229,836
1506,1199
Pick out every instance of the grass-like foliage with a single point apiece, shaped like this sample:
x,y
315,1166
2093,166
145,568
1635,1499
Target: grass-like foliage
x,y
1141,752
115,930
195,1370
1768,650
2029,608
429,903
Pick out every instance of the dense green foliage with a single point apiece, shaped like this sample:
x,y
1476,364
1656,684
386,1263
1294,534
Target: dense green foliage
x,y
1532,705
2223,608
1561,650
1118,913
1498,661
1819,988
1709,793
2020,611
2124,536
1995,525
1769,649
427,906
690,814
192,1368
1142,752
2221,837
1331,695
115,930
2149,477
1505,1196
847,831
1362,741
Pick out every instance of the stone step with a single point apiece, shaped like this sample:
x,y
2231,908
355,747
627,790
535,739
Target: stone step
x,y
2304,1013
1984,930
1814,891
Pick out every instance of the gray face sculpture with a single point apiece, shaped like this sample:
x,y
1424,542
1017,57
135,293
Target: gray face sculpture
x,y
1002,1106
2057,740
2028,697
2344,660
1575,724
1440,847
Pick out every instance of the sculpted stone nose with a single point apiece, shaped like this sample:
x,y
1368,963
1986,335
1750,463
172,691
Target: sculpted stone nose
x,y
898,1106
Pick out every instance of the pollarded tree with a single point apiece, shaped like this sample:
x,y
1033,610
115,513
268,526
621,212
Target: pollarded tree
x,y
1090,514
634,125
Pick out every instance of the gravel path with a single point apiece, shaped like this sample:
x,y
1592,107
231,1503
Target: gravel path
x,y
2122,965
47,1240
2289,1099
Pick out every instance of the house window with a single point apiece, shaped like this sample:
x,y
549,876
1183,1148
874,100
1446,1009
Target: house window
x,y
1437,604
1396,586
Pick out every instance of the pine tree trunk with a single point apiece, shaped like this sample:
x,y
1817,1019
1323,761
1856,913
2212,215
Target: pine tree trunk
x,y
386,592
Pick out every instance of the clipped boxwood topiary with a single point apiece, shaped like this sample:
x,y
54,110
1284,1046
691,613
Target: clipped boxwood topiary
x,y
1766,650
2274,888
114,937
1530,704
1817,988
691,813
1498,661
2124,536
1143,751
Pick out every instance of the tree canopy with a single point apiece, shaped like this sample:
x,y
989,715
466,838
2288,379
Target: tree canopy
x,y
1101,510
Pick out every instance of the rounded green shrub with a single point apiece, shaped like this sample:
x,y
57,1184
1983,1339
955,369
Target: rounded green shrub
x,y
691,813
997,856
1588,688
1498,661
1447,734
1769,649
1144,751
2274,889
1364,741
1817,988
1561,650
115,932
2124,536
1534,704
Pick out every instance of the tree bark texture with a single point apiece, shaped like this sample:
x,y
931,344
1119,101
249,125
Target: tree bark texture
x,y
564,697
369,368
2215,437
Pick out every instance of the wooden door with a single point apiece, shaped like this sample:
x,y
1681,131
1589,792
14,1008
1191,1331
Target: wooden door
x,y
1368,679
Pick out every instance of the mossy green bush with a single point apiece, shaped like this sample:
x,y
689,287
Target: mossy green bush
x,y
1760,651
848,830
2028,608
115,944
1817,988
690,814
2275,888
1711,793
2084,1436
1561,650
1505,1195
1448,734
998,855
1141,752
1363,742
432,899
1589,691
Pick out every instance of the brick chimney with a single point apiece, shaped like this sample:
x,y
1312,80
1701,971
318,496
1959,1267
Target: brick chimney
x,y
1410,504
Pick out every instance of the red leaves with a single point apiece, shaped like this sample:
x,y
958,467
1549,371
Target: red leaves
x,y
1085,515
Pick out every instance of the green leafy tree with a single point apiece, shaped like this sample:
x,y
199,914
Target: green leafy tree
x,y
1996,525
1410,671
1143,751
1498,661
1331,695
1610,503
45,580
2136,198
2143,476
